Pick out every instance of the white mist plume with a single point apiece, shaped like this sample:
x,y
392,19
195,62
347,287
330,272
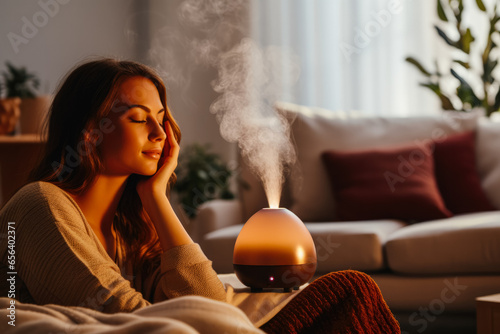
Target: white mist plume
x,y
250,80
249,83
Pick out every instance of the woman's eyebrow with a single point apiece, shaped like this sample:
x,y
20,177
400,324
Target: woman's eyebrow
x,y
144,108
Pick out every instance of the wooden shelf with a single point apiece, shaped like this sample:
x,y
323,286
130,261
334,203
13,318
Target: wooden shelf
x,y
18,155
22,138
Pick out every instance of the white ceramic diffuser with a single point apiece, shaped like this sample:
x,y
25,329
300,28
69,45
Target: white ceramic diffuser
x,y
274,250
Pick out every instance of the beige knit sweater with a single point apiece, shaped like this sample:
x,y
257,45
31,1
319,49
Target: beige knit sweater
x,y
59,260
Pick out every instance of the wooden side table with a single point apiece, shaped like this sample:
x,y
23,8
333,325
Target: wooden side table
x,y
488,314
18,155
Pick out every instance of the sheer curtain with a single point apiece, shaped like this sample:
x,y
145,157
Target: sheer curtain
x,y
351,52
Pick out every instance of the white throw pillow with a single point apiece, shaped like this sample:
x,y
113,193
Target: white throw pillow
x,y
316,130
488,158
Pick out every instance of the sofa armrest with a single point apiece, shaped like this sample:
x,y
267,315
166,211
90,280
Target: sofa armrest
x,y
214,215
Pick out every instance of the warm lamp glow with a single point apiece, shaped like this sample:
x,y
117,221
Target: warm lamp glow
x,y
274,243
301,254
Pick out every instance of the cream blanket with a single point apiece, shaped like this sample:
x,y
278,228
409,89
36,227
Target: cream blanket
x,y
244,312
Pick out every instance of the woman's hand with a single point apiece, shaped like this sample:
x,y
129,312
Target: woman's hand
x,y
152,191
157,183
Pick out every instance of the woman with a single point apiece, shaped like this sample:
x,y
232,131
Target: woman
x,y
95,227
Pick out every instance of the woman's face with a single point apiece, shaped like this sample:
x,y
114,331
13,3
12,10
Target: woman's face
x,y
135,143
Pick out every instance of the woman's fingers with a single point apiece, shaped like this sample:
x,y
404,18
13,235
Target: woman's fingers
x,y
172,142
166,164
172,155
168,161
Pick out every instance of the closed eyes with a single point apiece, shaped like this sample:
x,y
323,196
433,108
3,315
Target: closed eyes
x,y
144,121
146,109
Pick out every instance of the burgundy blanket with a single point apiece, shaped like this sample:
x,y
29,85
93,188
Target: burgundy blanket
x,y
341,302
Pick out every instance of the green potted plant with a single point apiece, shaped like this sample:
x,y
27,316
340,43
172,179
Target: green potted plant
x,y
22,84
201,176
450,12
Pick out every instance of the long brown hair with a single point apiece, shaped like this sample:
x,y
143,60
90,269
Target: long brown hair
x,y
71,157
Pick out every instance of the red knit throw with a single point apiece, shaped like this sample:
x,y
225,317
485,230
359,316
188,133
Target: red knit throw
x,y
340,302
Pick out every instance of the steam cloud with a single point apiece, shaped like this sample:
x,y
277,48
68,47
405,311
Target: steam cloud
x,y
248,83
250,80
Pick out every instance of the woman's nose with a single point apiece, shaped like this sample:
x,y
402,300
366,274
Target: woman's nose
x,y
157,132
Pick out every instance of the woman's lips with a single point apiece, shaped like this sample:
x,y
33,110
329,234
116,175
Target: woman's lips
x,y
155,153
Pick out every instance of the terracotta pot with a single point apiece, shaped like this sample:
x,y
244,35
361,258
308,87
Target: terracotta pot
x,y
9,114
33,112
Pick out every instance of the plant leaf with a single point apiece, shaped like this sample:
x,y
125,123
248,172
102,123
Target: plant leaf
x,y
464,64
467,39
460,9
465,92
440,11
432,86
202,175
494,21
496,105
446,38
417,64
480,5
445,101
19,82
488,68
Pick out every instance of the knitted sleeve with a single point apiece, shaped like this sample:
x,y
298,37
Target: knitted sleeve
x,y
183,270
60,260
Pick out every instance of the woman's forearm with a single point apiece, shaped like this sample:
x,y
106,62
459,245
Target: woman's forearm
x,y
167,224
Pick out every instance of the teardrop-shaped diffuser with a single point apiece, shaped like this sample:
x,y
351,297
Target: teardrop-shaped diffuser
x,y
274,250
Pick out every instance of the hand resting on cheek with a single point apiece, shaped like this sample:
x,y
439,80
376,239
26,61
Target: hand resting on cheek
x,y
166,166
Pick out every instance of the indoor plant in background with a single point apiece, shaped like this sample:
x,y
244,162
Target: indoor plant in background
x,y
24,85
468,64
201,176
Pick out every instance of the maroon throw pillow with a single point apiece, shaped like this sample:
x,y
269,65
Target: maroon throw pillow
x,y
390,183
457,176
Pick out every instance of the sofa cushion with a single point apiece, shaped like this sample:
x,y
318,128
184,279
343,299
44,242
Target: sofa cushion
x,y
488,159
351,245
315,131
218,246
457,293
463,244
457,176
389,183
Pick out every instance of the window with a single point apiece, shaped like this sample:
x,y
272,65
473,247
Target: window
x,y
352,52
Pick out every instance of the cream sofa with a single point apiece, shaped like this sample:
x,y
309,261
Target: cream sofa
x,y
429,272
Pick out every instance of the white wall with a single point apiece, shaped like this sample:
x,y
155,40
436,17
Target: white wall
x,y
70,31
74,30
